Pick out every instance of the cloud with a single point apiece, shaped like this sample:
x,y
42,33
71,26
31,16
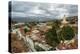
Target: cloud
x,y
36,10
51,10
17,14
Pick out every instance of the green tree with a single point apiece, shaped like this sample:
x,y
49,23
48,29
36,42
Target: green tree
x,y
51,37
26,30
67,33
57,24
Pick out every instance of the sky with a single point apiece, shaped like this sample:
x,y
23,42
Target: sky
x,y
47,10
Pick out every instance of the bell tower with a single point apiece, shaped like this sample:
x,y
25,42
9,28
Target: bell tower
x,y
64,22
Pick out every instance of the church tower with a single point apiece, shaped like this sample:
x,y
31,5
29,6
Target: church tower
x,y
64,22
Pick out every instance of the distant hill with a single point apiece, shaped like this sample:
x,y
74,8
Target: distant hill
x,y
38,19
31,19
72,18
